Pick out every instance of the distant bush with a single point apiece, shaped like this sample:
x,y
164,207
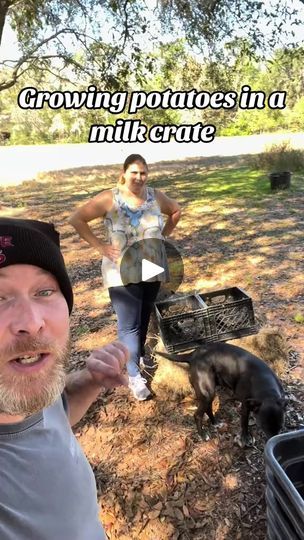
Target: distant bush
x,y
279,157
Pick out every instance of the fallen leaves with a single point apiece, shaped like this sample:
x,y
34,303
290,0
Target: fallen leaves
x,y
156,479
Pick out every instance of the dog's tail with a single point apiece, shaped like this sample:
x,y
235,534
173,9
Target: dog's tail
x,y
186,358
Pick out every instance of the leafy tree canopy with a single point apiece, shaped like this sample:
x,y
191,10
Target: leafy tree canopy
x,y
108,41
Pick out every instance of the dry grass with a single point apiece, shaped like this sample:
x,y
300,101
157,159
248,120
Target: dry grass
x,y
270,345
171,380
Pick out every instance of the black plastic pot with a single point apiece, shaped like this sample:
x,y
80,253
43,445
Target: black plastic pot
x,y
284,460
280,180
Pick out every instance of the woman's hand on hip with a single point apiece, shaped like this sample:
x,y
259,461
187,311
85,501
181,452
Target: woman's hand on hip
x,y
111,252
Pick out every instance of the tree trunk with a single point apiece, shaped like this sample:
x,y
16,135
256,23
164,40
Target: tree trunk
x,y
4,5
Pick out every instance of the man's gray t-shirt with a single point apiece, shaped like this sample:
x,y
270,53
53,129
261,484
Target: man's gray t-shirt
x,y
47,487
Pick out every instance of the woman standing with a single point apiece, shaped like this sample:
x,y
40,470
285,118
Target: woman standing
x,y
131,212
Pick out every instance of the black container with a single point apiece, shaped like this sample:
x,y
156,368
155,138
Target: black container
x,y
280,180
207,317
278,527
283,508
182,322
284,457
230,314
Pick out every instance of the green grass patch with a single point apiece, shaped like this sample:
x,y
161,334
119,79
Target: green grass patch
x,y
239,184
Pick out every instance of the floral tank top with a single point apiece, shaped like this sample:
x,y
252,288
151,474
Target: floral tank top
x,y
126,226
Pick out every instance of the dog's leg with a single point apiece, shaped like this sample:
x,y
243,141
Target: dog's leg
x,y
203,384
246,439
203,408
210,413
198,417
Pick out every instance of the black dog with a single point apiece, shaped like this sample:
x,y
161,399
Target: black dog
x,y
252,381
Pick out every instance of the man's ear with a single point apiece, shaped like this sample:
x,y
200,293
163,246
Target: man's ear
x,y
253,404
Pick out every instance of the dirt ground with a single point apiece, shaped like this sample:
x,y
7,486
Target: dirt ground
x,y
156,479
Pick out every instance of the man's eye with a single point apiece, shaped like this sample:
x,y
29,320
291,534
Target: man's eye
x,y
45,292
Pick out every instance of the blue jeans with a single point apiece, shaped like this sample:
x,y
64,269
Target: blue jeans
x,y
133,305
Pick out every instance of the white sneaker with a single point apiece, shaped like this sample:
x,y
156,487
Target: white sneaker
x,y
138,386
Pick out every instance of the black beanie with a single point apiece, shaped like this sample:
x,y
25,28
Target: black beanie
x,y
27,241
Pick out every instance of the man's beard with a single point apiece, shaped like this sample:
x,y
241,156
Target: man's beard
x,y
26,394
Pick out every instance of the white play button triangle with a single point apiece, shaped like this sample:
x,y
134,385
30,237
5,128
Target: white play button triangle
x,y
149,269
136,265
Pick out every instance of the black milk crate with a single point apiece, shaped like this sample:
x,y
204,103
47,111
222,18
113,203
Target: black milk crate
x,y
284,458
214,316
182,322
230,314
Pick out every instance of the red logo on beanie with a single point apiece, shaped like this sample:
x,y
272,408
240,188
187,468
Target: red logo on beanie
x,y
6,241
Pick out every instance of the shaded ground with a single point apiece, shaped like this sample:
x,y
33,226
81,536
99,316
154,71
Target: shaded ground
x,y
156,480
